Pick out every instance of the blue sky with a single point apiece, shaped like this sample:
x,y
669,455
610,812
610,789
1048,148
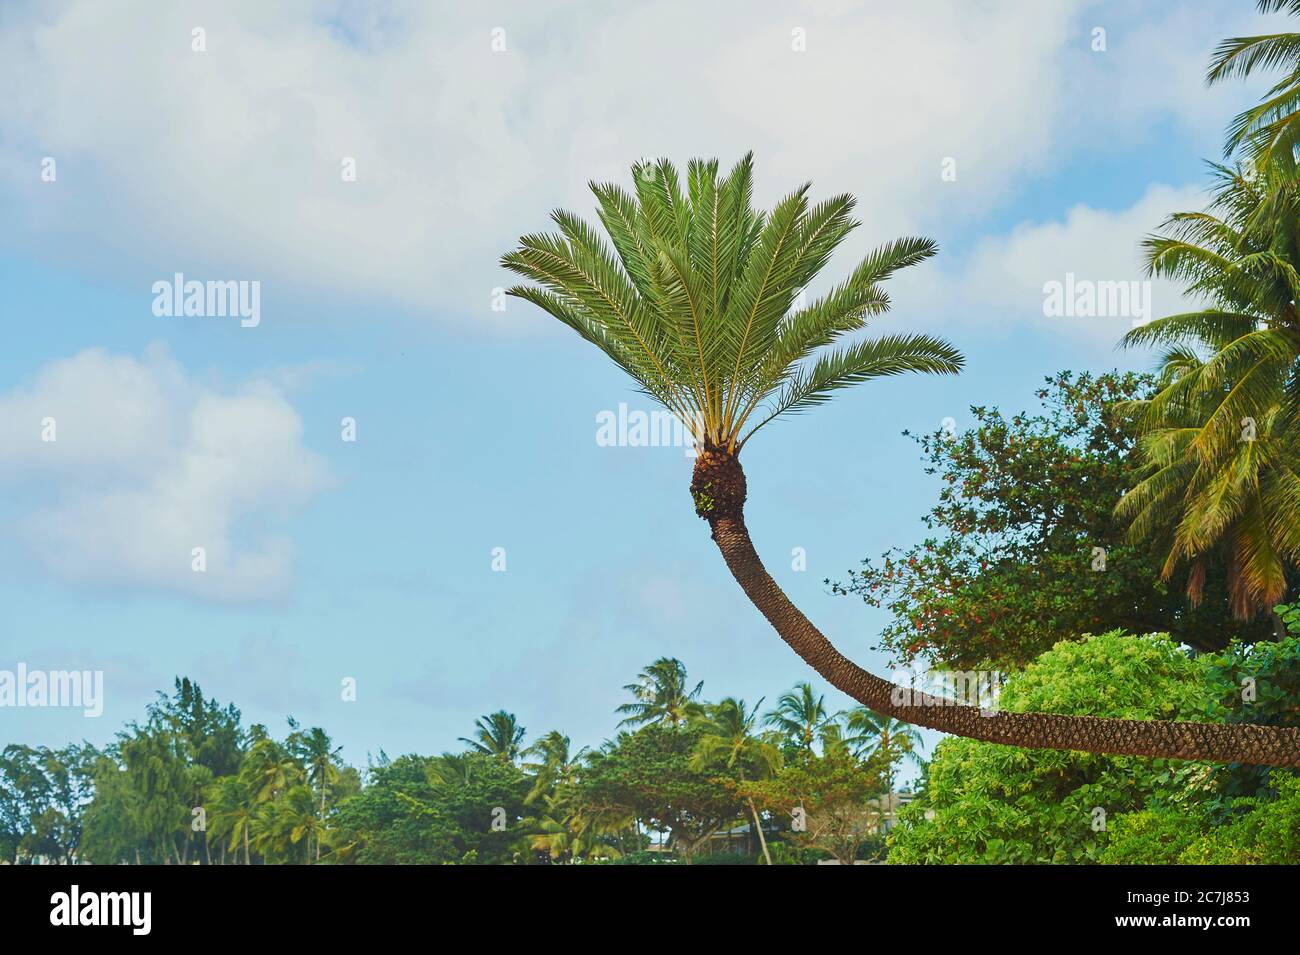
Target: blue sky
x,y
475,428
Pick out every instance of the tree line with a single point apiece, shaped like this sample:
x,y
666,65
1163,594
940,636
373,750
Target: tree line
x,y
190,784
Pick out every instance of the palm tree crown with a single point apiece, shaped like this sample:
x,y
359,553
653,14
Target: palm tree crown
x,y
1272,126
699,298
498,734
1220,438
661,695
800,715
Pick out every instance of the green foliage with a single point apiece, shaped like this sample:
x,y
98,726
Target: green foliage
x,y
1008,568
41,793
1151,837
653,775
1000,804
1260,685
433,811
834,790
696,296
1265,831
1220,438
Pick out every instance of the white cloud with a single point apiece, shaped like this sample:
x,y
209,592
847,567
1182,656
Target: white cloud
x,y
1000,283
148,464
229,160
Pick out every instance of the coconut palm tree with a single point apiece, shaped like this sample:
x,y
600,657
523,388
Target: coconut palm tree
x,y
498,734
800,715
727,738
1221,437
698,301
232,809
269,770
449,769
565,833
321,757
661,696
1272,126
874,735
557,766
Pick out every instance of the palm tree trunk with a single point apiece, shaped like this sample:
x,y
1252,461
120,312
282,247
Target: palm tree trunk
x,y
762,839
718,488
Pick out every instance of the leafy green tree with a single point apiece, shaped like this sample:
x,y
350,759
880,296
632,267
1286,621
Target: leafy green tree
x,y
1010,565
42,796
1257,684
230,816
651,775
557,765
317,752
425,811
832,793
1264,831
269,769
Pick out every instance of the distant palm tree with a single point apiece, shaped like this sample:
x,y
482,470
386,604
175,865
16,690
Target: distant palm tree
x,y
232,808
498,734
876,735
269,770
727,738
449,769
661,695
564,834
800,715
300,816
321,757
556,766
700,301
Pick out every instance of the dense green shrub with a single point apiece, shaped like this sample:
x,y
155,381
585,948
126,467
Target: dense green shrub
x,y
1001,804
1004,804
1266,831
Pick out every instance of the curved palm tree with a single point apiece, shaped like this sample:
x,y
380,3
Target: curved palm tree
x,y
800,715
727,738
1272,126
696,301
498,734
1220,438
661,696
